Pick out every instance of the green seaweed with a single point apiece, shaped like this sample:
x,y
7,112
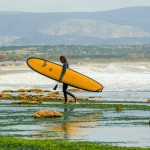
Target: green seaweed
x,y
19,144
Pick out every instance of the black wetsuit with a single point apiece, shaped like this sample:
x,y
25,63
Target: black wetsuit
x,y
65,86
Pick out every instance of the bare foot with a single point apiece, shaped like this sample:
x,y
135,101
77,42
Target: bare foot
x,y
65,102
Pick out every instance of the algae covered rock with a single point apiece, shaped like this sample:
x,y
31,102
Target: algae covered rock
x,y
52,95
5,95
46,91
47,114
71,100
82,99
23,96
75,90
60,98
148,101
35,90
119,108
95,97
57,92
22,90
8,91
27,102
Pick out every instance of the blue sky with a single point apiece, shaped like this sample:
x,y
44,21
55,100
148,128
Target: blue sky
x,y
68,5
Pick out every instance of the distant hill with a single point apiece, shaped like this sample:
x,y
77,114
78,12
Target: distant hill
x,y
126,26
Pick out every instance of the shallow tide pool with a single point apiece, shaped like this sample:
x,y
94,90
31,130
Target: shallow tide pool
x,y
126,128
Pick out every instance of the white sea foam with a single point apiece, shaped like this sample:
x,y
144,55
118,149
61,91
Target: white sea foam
x,y
24,80
113,76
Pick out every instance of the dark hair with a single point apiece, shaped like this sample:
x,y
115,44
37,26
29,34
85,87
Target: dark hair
x,y
64,58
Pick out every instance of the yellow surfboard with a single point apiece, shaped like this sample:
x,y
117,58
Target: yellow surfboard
x,y
71,77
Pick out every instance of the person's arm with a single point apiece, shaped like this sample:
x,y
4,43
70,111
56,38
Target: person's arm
x,y
65,66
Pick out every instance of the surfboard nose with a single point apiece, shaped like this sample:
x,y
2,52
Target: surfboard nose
x,y
29,60
100,89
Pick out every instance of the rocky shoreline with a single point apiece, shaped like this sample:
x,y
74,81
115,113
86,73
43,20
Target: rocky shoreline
x,y
24,96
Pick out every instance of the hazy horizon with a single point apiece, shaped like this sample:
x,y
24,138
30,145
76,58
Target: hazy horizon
x,y
68,6
74,11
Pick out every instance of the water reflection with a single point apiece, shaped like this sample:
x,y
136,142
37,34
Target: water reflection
x,y
73,126
70,126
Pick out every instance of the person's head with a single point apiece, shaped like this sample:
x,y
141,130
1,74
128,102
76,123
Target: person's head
x,y
63,59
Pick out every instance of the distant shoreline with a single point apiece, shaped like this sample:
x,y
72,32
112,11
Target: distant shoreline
x,y
77,53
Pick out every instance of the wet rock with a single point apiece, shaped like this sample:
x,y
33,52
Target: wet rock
x,y
52,95
59,98
56,93
148,101
119,108
46,91
22,90
39,96
27,102
51,98
75,90
95,97
8,91
43,97
82,99
35,90
71,100
23,96
47,114
5,95
48,98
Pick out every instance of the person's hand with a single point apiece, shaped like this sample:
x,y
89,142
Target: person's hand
x,y
62,75
60,79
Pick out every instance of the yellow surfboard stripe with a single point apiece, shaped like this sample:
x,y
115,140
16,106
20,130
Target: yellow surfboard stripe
x,y
71,77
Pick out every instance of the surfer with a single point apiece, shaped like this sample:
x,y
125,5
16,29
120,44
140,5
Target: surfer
x,y
64,61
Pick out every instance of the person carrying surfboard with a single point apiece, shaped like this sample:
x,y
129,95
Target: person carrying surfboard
x,y
65,63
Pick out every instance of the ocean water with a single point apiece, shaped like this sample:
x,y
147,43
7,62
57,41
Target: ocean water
x,y
121,80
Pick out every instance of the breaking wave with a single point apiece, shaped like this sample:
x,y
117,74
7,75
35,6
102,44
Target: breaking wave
x,y
113,76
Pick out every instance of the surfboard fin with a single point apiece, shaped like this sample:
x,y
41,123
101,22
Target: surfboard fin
x,y
55,87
